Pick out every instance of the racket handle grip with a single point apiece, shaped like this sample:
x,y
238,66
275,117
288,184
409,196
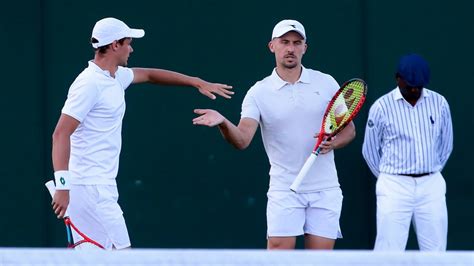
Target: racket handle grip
x,y
295,186
52,189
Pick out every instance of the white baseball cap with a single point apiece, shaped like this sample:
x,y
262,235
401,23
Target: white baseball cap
x,y
108,30
287,25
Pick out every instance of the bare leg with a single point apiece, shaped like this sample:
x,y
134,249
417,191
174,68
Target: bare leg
x,y
318,242
281,242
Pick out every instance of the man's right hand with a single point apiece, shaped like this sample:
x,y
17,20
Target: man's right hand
x,y
60,202
208,117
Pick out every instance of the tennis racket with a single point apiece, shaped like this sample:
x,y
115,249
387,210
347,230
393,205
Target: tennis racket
x,y
85,242
342,108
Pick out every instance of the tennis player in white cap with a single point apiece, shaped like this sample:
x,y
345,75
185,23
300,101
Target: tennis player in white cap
x,y
289,106
87,138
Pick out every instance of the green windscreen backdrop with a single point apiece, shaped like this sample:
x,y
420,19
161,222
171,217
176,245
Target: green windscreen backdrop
x,y
183,186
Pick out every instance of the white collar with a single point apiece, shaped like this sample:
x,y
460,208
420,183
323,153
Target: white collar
x,y
397,95
280,83
97,69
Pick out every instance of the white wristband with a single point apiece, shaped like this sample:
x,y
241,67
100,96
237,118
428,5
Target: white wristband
x,y
61,179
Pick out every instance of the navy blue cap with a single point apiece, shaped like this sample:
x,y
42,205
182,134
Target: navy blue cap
x,y
414,70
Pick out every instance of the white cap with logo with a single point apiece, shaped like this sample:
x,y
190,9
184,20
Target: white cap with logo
x,y
287,25
108,30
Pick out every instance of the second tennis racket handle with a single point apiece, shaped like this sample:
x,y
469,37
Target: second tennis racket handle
x,y
295,186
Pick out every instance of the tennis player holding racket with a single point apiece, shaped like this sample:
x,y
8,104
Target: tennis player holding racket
x,y
87,138
289,106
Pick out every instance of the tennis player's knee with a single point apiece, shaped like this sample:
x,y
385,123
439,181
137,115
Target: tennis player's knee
x,y
281,242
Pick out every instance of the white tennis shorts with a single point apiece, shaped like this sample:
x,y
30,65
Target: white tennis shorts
x,y
95,212
294,214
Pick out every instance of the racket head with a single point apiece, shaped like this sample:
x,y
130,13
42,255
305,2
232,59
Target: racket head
x,y
77,239
344,106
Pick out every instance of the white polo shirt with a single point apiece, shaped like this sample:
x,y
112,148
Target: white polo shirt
x,y
289,116
97,101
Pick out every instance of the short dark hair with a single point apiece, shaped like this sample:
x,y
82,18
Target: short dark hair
x,y
103,49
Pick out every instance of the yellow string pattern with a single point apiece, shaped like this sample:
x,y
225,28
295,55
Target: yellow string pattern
x,y
347,102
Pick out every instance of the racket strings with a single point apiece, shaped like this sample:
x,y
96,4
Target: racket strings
x,y
346,104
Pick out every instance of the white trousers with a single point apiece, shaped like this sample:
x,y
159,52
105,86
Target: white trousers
x,y
404,199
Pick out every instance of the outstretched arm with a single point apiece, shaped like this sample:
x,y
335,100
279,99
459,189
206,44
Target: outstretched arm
x,y
166,77
239,136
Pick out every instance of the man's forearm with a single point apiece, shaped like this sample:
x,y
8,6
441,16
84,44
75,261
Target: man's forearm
x,y
233,135
345,136
166,77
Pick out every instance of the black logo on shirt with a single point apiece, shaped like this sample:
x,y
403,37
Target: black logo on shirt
x,y
370,123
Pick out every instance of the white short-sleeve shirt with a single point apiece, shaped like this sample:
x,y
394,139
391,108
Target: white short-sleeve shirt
x,y
96,100
289,116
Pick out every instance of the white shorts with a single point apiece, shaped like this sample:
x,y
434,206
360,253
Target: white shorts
x,y
294,214
95,212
